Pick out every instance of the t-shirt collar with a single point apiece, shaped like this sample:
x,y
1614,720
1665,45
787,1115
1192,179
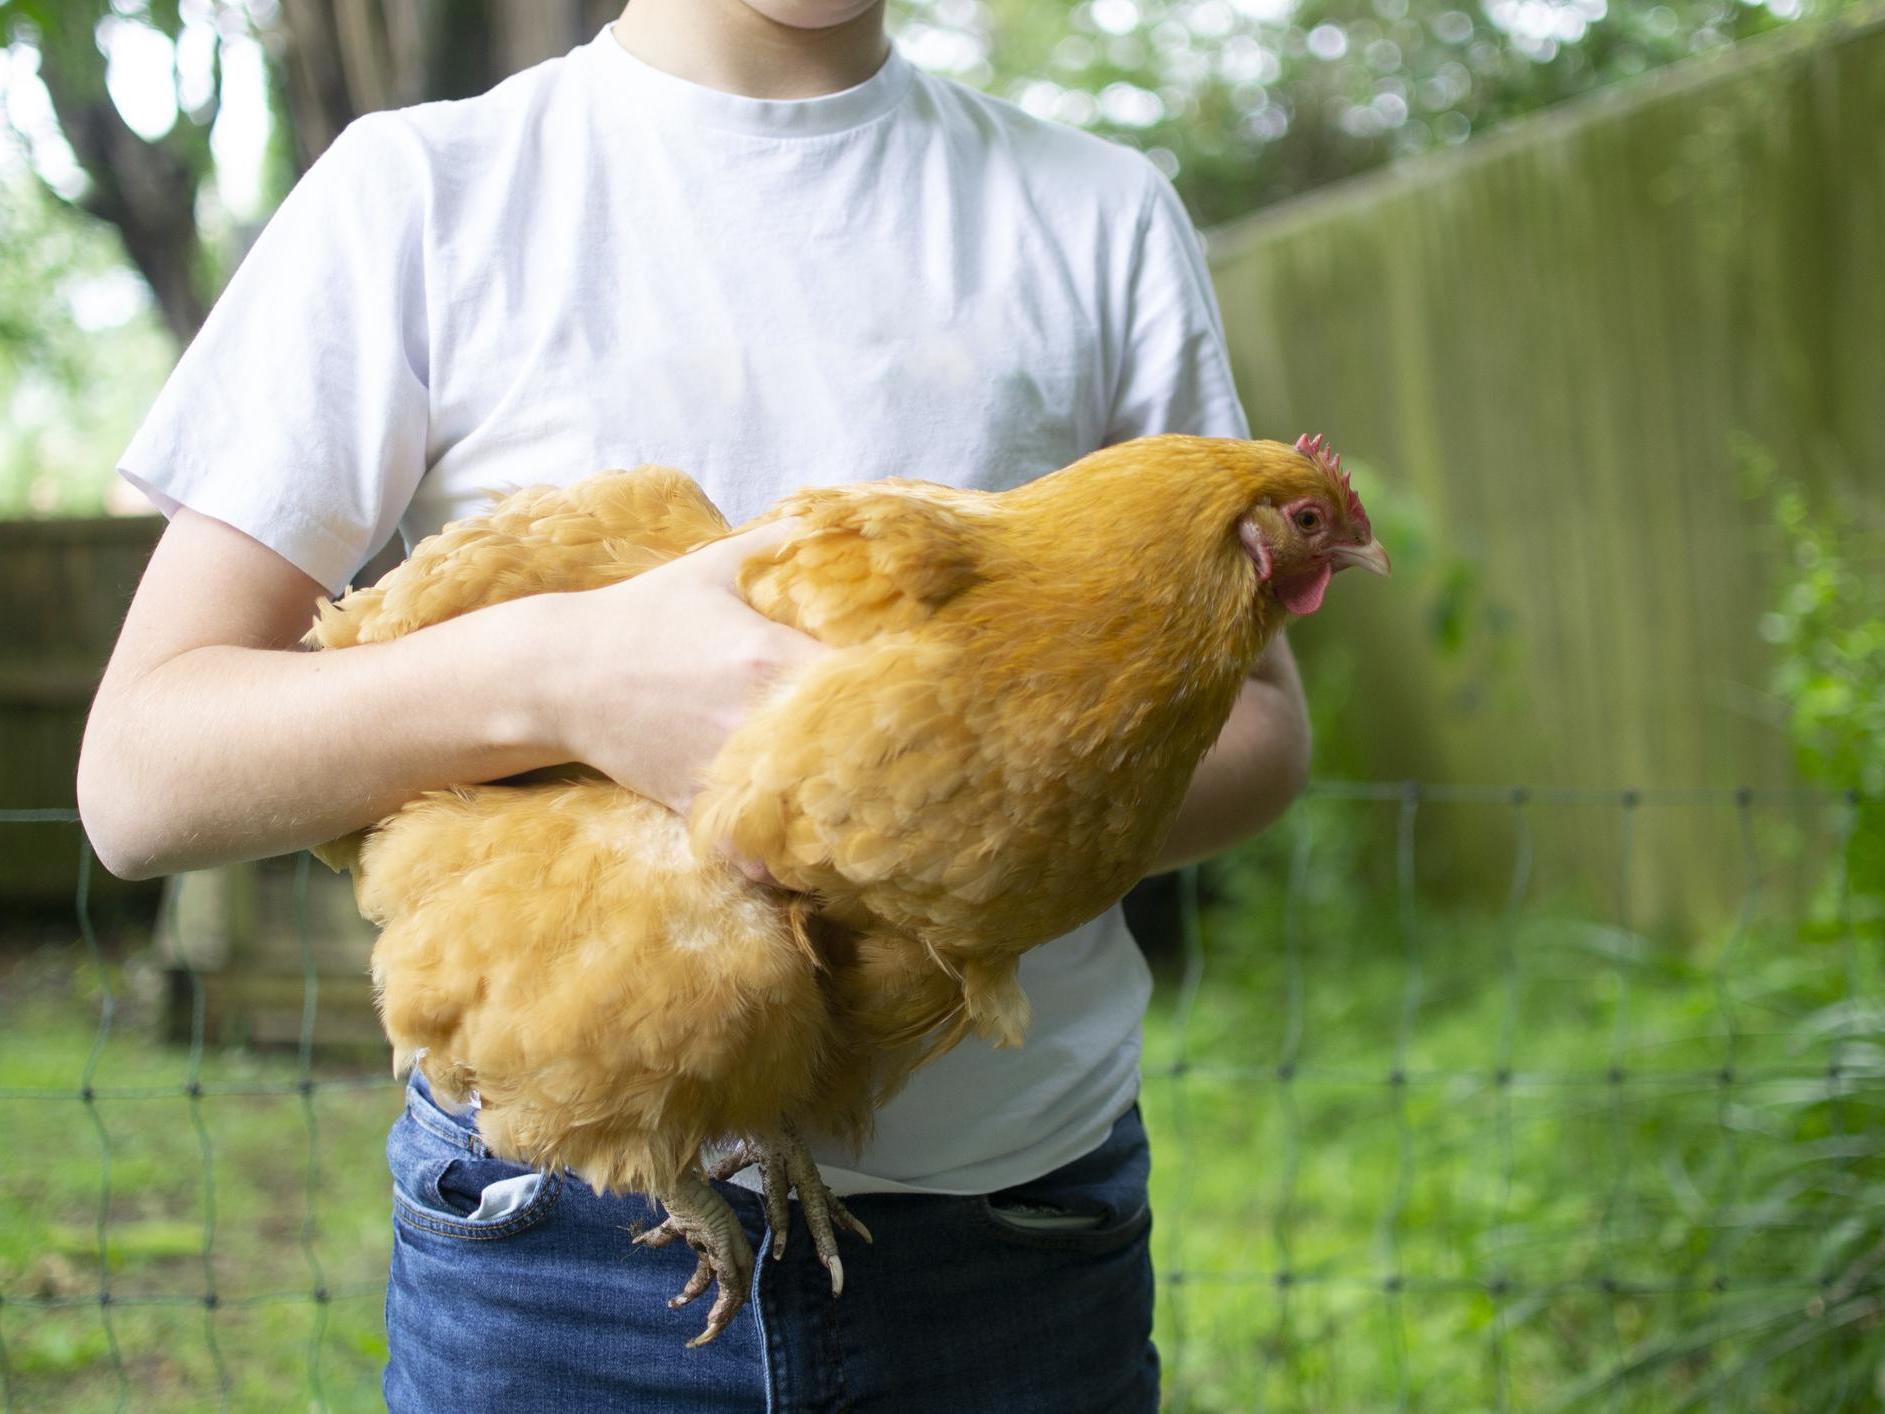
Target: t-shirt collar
x,y
668,96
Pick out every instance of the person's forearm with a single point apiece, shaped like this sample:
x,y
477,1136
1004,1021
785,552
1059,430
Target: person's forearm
x,y
1259,764
212,740
227,752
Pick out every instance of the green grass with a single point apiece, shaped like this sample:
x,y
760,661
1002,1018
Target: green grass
x,y
1722,1152
277,1348
1337,1177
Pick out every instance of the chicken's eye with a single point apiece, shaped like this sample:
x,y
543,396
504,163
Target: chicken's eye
x,y
1307,520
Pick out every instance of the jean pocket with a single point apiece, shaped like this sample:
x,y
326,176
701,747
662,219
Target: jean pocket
x,y
446,1187
1055,1228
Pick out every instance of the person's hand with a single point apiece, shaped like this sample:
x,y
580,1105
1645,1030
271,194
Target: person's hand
x,y
666,665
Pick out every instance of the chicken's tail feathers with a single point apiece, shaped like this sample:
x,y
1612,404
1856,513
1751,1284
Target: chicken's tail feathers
x,y
912,1053
993,1002
987,1001
991,1005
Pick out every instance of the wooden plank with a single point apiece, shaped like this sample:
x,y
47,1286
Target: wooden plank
x,y
65,584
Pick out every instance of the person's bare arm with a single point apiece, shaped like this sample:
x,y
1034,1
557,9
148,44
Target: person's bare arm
x,y
1258,766
213,738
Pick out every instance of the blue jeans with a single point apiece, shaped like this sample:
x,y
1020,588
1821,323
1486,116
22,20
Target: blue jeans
x,y
517,1292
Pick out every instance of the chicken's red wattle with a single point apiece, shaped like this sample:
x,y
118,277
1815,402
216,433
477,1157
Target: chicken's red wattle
x,y
1302,595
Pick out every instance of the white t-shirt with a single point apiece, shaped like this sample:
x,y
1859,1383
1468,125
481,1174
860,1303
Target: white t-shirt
x,y
598,264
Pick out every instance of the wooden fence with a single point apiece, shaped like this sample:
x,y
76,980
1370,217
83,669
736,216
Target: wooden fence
x,y
1559,337
65,585
254,933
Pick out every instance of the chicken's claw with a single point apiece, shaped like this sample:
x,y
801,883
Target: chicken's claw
x,y
786,1165
704,1220
697,1283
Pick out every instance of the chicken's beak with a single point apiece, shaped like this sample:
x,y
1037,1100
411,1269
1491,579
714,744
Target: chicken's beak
x,y
1370,557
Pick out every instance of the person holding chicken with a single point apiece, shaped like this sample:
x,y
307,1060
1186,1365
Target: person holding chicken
x,y
746,238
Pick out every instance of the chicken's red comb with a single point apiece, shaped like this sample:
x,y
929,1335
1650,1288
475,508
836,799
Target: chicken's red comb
x,y
1318,450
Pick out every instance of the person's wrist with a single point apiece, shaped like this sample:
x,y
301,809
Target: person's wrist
x,y
532,687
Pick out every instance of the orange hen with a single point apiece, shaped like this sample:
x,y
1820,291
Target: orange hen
x,y
1022,685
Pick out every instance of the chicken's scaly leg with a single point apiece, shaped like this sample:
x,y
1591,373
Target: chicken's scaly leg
x,y
702,1219
786,1165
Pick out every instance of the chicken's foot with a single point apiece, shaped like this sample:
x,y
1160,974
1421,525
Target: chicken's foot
x,y
704,1220
786,1165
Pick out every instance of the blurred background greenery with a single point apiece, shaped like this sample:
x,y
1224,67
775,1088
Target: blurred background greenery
x,y
1459,1102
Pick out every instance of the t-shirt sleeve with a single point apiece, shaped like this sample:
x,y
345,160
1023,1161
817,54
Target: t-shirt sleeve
x,y
1174,371
298,414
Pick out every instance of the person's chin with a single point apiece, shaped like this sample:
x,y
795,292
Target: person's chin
x,y
813,14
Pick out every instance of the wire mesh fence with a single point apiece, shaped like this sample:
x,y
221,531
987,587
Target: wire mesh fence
x,y
1429,1132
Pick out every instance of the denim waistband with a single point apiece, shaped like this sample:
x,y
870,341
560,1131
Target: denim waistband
x,y
1121,1164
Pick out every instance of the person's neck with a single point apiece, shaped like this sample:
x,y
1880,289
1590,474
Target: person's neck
x,y
728,45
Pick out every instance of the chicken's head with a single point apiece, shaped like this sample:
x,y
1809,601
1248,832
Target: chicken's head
x,y
1306,524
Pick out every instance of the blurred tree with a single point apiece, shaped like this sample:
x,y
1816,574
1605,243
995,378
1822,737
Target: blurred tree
x,y
80,352
146,186
331,60
1244,102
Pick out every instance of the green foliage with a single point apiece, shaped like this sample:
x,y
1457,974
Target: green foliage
x,y
1246,102
71,390
1466,634
1828,632
1728,1184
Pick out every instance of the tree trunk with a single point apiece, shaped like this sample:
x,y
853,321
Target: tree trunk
x,y
146,189
333,61
341,58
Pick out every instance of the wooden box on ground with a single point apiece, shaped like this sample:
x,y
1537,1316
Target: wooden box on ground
x,y
272,946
